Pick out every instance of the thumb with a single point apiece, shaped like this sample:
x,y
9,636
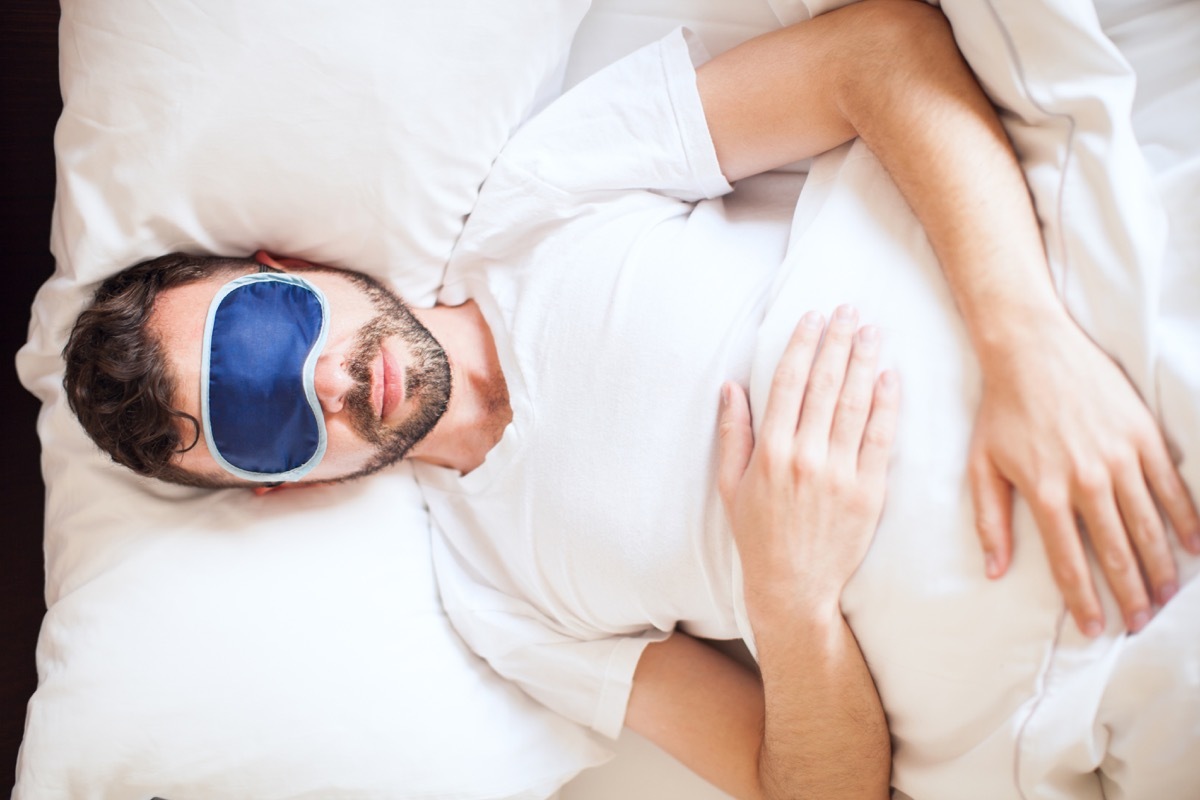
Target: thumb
x,y
735,438
992,494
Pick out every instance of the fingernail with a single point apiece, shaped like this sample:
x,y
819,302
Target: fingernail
x,y
811,320
1139,621
1093,628
1167,591
990,564
868,334
845,312
725,394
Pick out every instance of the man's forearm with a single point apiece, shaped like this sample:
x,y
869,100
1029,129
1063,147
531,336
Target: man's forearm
x,y
825,734
915,103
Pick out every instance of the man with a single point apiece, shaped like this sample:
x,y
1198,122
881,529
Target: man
x,y
567,312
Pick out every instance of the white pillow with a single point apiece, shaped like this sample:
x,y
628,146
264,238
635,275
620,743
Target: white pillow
x,y
214,644
355,135
208,645
932,627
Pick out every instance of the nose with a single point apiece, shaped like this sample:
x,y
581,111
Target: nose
x,y
332,382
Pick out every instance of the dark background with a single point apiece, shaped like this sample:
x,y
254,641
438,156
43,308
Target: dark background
x,y
29,106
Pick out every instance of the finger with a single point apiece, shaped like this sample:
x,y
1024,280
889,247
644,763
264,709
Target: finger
x,y
1064,549
854,402
825,382
881,428
735,440
1173,494
1146,532
992,494
791,376
1116,556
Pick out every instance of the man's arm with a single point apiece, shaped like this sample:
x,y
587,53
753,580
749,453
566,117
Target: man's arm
x,y
707,711
1058,420
803,503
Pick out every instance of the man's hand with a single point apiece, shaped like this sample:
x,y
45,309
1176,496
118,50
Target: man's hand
x,y
1061,423
805,500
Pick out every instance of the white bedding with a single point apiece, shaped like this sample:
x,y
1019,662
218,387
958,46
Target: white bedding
x,y
218,645
990,685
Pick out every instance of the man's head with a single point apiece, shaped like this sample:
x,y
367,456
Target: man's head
x,y
134,363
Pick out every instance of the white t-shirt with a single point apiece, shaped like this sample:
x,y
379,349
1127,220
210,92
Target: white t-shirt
x,y
618,307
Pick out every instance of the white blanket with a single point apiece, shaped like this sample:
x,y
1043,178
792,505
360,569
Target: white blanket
x,y
992,679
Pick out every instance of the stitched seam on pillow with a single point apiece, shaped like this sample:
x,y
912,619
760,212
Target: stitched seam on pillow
x,y
1039,695
1059,211
1060,193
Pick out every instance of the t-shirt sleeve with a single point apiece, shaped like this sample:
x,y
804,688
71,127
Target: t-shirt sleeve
x,y
637,124
586,678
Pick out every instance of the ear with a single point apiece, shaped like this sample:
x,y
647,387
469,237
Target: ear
x,y
281,263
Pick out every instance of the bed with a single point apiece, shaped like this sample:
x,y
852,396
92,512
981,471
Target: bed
x,y
218,644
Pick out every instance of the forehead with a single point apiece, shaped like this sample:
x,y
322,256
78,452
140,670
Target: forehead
x,y
178,321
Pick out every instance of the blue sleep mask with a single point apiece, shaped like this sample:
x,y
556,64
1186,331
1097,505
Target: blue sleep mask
x,y
261,416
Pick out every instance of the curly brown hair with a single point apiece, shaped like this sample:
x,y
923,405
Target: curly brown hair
x,y
117,379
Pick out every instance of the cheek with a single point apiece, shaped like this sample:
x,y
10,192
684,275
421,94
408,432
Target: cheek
x,y
345,452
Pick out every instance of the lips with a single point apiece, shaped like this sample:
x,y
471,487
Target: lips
x,y
393,384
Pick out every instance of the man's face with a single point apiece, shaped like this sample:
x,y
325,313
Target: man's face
x,y
382,380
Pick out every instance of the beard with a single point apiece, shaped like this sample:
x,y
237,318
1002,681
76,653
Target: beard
x,y
426,379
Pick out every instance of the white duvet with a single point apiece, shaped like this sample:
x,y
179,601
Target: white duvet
x,y
989,685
